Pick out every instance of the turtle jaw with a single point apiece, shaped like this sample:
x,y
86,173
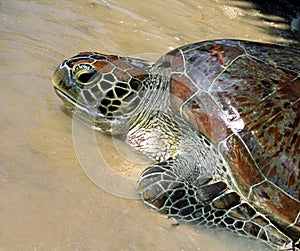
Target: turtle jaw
x,y
65,89
69,93
93,119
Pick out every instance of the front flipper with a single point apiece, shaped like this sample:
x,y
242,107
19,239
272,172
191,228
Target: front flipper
x,y
203,201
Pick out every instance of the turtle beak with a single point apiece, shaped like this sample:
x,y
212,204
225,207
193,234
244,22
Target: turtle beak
x,y
63,84
60,75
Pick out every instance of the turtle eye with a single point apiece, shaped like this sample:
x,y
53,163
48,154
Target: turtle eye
x,y
85,74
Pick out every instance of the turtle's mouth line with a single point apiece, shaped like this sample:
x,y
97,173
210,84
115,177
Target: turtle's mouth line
x,y
75,108
67,99
74,105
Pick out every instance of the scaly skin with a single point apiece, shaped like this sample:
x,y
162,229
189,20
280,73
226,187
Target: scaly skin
x,y
192,181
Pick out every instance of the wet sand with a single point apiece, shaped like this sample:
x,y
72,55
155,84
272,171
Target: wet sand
x,y
47,202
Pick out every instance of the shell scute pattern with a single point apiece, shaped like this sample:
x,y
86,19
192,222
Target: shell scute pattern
x,y
268,99
246,99
223,120
273,55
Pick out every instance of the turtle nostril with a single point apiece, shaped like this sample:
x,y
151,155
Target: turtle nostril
x,y
62,64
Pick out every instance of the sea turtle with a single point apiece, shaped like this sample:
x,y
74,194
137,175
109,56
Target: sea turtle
x,y
220,118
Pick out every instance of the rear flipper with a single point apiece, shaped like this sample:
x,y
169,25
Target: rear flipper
x,y
205,202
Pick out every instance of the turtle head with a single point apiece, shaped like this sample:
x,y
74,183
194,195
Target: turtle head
x,y
104,89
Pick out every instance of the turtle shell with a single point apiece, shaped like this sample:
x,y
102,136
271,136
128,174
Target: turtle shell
x,y
245,98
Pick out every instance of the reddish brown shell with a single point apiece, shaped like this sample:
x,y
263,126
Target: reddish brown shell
x,y
245,97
